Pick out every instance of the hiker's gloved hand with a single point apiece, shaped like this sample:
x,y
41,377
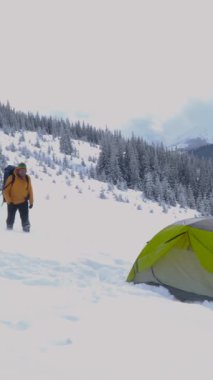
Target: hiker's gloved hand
x,y
30,206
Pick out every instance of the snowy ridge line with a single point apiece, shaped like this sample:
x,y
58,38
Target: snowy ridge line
x,y
47,164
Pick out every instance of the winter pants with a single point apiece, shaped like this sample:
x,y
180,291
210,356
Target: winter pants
x,y
24,215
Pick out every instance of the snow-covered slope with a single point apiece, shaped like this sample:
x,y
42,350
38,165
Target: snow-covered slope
x,y
66,309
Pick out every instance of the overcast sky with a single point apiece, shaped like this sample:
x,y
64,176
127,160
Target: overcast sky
x,y
107,61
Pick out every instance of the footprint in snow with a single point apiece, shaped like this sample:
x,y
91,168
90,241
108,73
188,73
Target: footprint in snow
x,y
19,326
63,342
72,318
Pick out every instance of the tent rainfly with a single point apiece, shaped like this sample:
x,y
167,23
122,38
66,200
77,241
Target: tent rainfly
x,y
180,258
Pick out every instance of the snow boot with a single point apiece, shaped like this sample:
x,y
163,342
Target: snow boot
x,y
26,228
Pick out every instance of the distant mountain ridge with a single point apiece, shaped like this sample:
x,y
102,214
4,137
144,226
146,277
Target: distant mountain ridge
x,y
205,151
191,127
175,135
190,144
193,139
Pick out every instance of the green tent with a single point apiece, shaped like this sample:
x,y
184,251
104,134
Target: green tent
x,y
180,257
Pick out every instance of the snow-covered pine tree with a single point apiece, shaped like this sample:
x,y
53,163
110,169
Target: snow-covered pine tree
x,y
182,195
132,175
65,142
148,186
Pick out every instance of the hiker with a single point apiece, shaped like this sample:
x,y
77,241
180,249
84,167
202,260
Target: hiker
x,y
17,192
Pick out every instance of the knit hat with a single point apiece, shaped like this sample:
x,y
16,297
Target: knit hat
x,y
22,165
